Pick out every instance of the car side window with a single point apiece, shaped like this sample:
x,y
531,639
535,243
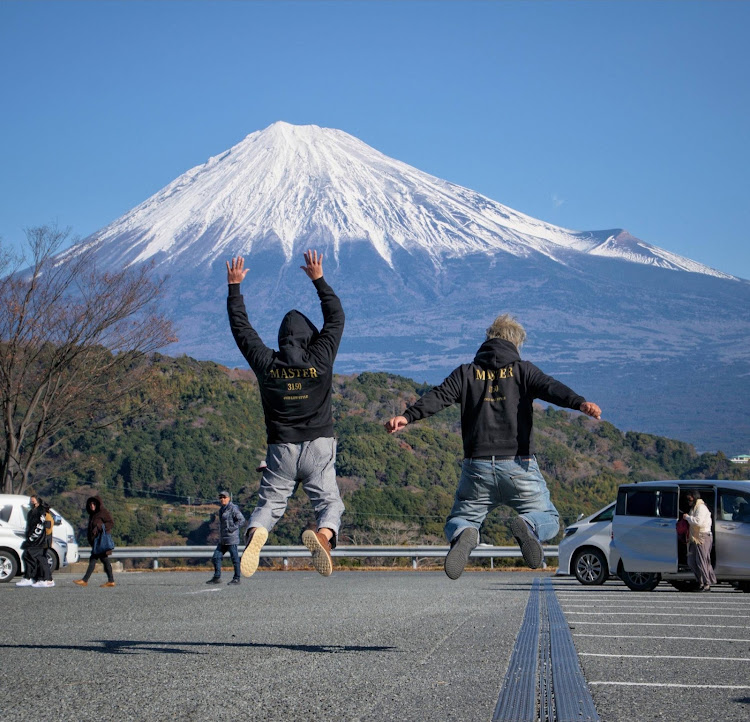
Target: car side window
x,y
734,505
5,512
647,502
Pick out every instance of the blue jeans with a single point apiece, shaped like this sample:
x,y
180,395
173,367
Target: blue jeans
x,y
219,552
487,483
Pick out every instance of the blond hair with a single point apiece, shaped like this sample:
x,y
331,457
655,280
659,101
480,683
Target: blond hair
x,y
507,328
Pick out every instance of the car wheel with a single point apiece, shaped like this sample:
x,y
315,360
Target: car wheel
x,y
684,585
590,566
8,566
640,581
54,562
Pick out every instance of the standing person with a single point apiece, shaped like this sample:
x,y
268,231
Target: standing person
x,y
700,541
99,518
295,390
230,523
36,566
496,392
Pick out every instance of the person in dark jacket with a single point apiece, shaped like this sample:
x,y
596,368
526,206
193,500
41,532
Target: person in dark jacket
x,y
496,393
230,523
295,390
37,571
99,518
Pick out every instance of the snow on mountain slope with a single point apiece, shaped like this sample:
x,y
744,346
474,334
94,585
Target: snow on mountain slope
x,y
291,186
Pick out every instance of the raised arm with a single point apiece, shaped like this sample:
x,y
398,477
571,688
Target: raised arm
x,y
327,343
257,354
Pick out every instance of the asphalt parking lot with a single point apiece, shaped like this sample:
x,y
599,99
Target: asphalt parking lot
x,y
661,655
287,646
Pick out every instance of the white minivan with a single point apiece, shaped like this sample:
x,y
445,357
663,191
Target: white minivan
x,y
645,548
14,508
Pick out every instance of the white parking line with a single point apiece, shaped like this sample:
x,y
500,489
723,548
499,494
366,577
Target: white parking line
x,y
663,656
697,605
662,624
656,636
673,684
651,614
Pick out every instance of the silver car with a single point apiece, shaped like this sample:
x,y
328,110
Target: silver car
x,y
584,550
645,548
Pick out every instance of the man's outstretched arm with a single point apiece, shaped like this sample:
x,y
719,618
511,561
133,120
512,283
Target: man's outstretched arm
x,y
257,354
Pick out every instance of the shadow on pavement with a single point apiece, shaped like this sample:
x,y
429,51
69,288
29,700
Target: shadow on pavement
x,y
129,646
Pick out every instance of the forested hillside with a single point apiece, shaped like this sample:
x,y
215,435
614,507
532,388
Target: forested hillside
x,y
159,473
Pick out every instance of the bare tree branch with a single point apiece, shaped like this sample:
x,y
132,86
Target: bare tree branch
x,y
74,342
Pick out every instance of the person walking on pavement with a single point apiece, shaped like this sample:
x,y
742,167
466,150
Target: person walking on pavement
x,y
37,572
496,393
230,523
99,518
295,390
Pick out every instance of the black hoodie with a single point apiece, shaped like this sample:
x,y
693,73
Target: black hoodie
x,y
36,531
496,393
295,381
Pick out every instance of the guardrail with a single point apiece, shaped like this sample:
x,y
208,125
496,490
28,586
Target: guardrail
x,y
290,552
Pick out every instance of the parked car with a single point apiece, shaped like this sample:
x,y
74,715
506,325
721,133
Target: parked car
x,y
11,553
584,550
14,508
645,548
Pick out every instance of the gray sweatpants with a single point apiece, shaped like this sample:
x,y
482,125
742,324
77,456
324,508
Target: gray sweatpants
x,y
312,463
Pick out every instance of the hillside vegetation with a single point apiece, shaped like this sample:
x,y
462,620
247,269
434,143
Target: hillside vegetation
x,y
159,474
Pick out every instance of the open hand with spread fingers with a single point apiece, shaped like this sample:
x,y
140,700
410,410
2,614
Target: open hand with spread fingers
x,y
236,272
314,267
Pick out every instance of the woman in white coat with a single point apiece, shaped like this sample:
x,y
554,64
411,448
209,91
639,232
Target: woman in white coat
x,y
700,541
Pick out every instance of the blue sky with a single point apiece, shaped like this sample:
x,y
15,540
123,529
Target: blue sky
x,y
589,115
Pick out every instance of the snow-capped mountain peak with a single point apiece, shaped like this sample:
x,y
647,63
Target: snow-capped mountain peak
x,y
293,186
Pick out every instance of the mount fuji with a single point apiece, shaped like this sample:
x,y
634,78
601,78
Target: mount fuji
x,y
422,266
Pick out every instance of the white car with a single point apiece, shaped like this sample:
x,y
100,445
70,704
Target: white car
x,y
14,509
645,548
11,553
584,550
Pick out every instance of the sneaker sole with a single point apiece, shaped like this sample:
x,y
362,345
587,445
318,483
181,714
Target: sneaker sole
x,y
320,558
251,555
531,547
460,552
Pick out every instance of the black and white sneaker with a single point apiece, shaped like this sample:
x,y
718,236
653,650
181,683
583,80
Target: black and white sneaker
x,y
531,547
459,552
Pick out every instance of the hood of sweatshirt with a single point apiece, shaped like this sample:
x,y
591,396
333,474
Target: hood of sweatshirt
x,y
97,501
296,333
496,353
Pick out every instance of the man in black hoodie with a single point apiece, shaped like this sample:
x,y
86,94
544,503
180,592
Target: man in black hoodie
x,y
496,392
37,571
295,390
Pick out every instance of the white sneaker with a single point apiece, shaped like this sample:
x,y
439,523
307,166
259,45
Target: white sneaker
x,y
51,583
24,583
41,584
